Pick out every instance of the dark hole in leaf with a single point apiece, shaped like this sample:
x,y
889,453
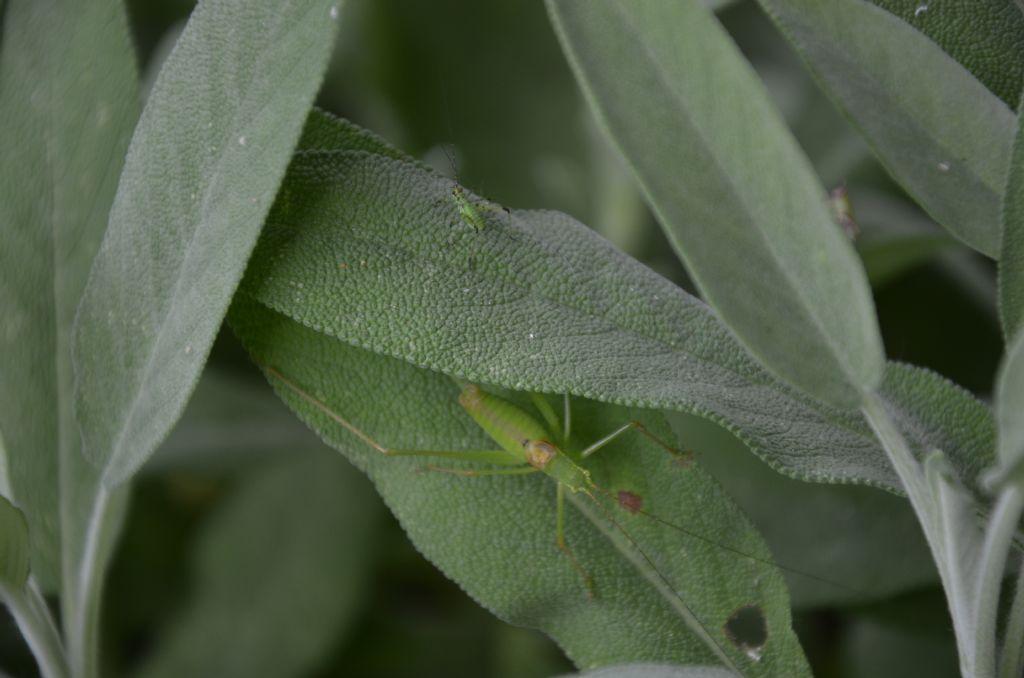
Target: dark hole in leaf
x,y
747,630
629,501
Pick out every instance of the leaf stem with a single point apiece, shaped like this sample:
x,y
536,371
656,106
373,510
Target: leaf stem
x,y
81,627
1011,664
1001,528
37,627
930,515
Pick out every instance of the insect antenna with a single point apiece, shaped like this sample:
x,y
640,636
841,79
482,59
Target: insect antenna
x,y
632,504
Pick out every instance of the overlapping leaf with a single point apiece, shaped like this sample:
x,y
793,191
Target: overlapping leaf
x,y
200,175
68,99
938,130
731,188
1011,264
371,250
983,35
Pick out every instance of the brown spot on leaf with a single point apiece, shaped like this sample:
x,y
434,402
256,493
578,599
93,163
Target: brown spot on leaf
x,y
630,502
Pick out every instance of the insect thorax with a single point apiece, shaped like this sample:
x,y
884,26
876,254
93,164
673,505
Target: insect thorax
x,y
539,453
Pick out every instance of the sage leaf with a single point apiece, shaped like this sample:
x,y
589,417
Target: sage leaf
x,y
202,171
938,130
733,191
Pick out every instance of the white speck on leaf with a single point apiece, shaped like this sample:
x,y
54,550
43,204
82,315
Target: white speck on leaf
x,y
943,166
920,9
241,141
188,348
334,12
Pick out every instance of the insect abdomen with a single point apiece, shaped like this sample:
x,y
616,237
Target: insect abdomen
x,y
507,424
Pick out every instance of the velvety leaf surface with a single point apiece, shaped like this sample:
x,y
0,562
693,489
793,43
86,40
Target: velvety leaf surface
x,y
202,170
732,189
280,571
983,35
1010,405
938,130
68,99
654,584
956,540
1011,263
372,251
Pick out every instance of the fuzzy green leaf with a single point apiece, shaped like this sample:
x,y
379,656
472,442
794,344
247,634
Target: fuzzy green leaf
x,y
1009,398
1011,262
372,251
496,535
733,191
983,35
940,132
201,173
280,570
69,101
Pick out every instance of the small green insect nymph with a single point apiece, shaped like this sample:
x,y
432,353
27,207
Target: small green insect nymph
x,y
473,214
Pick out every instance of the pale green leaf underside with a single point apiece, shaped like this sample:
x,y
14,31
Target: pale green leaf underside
x,y
956,539
733,191
68,102
280,571
372,251
200,175
940,132
1010,405
495,536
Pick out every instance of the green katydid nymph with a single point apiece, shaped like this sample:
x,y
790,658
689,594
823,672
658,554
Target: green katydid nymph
x,y
471,211
525,447
539,443
528,445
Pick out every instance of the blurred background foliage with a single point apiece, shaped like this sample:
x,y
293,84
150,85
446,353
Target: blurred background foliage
x,y
247,532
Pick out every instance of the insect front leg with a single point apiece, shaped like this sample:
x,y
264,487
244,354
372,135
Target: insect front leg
x,y
588,581
640,428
